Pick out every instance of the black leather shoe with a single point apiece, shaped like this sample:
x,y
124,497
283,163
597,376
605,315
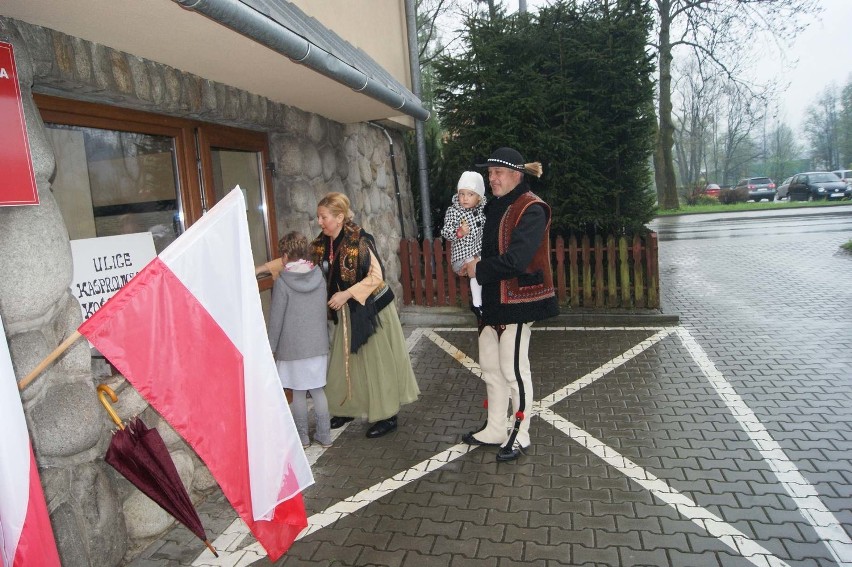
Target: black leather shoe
x,y
338,422
471,440
506,454
382,427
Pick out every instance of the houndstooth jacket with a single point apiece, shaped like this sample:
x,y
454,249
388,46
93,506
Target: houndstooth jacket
x,y
470,245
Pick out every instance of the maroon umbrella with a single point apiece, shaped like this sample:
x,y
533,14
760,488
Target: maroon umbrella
x,y
141,456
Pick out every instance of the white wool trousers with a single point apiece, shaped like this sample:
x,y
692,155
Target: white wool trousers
x,y
505,364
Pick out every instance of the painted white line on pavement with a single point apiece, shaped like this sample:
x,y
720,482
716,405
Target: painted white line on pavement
x,y
534,328
824,522
451,349
367,496
714,525
236,533
605,369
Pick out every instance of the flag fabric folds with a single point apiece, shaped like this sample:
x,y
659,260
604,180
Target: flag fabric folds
x,y
26,537
188,333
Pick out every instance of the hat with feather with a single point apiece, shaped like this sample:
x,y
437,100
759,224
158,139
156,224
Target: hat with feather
x,y
512,159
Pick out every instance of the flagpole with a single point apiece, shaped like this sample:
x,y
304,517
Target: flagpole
x,y
49,359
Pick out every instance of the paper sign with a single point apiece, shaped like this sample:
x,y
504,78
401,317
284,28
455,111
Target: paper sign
x,y
17,182
104,265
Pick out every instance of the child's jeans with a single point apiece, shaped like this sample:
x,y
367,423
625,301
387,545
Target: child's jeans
x,y
475,288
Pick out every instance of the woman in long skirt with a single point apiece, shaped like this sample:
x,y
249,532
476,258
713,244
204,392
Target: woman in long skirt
x,y
369,371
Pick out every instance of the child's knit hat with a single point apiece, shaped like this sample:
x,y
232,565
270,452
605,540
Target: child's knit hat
x,y
472,181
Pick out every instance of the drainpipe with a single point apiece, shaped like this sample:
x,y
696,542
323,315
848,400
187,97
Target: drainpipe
x,y
263,29
419,133
395,177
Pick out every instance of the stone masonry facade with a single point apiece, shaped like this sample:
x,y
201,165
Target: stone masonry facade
x,y
99,519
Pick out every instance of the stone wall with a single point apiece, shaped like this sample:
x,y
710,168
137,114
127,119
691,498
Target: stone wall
x,y
98,517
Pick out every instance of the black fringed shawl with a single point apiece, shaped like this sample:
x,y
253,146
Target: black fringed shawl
x,y
349,265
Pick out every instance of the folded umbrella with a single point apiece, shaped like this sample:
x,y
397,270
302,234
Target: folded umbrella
x,y
141,456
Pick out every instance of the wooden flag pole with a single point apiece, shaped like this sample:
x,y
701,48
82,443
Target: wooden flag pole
x,y
49,359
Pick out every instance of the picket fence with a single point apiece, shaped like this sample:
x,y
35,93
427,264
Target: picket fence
x,y
600,272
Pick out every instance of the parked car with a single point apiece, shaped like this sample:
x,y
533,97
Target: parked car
x,y
782,189
817,185
758,188
845,175
712,190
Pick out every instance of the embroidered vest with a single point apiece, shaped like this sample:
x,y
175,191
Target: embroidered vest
x,y
537,283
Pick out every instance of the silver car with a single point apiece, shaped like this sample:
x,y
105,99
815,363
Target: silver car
x,y
845,175
758,188
782,189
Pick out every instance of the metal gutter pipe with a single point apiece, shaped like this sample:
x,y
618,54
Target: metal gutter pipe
x,y
249,22
419,131
395,178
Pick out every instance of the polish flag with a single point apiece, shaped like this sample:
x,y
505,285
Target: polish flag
x,y
26,537
188,333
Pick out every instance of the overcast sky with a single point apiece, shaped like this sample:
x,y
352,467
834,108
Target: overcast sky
x,y
824,53
820,55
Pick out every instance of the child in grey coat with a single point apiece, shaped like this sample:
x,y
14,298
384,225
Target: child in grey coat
x,y
298,335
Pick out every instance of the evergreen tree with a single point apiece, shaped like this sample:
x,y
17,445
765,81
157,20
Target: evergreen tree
x,y
569,87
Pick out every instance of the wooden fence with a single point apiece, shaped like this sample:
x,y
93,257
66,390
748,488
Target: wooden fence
x,y
599,272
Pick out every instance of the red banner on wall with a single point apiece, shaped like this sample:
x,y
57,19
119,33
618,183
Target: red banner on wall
x,y
17,182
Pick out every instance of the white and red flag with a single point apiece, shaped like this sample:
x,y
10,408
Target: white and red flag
x,y
26,537
188,333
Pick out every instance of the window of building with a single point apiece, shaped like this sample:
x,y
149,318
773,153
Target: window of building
x,y
120,171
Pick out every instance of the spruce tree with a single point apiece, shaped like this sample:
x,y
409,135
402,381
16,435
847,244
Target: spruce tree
x,y
570,87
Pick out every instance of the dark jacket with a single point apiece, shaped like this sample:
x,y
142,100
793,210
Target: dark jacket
x,y
523,263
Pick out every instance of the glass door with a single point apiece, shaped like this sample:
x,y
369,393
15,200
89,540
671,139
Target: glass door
x,y
230,158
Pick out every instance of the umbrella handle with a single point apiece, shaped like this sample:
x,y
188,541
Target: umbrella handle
x,y
103,392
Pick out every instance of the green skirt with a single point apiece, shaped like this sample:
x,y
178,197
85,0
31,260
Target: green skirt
x,y
380,375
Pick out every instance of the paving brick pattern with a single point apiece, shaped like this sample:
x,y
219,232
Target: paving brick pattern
x,y
772,310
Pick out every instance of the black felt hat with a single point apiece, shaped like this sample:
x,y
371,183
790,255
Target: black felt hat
x,y
505,157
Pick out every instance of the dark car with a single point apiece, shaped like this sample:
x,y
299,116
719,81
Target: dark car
x,y
758,188
818,185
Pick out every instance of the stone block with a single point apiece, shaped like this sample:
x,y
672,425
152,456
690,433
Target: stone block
x,y
33,283
82,60
289,158
295,121
86,514
382,177
144,517
140,81
101,67
202,480
63,54
302,198
311,162
155,79
70,536
66,423
365,169
316,129
121,72
329,162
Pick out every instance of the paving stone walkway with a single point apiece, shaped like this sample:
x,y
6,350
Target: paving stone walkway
x,y
722,440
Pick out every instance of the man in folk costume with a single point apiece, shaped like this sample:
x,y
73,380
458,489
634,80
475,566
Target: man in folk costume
x,y
517,290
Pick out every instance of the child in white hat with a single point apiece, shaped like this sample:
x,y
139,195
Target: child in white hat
x,y
463,225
